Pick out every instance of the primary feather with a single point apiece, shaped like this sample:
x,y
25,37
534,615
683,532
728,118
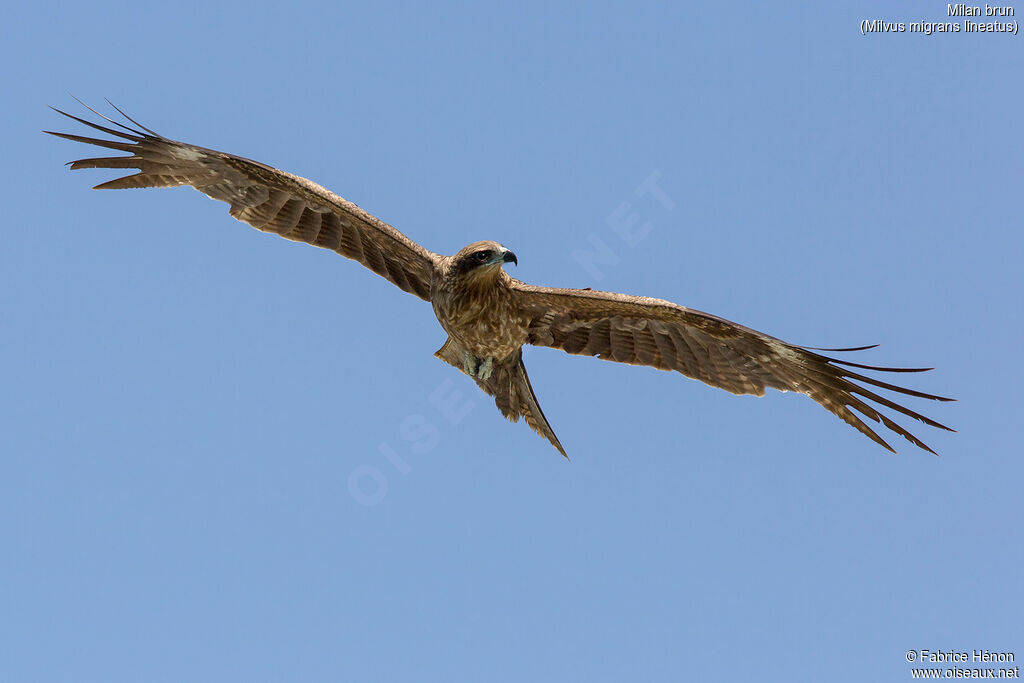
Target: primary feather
x,y
488,315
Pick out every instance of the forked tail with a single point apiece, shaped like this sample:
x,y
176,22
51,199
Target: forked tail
x,y
510,386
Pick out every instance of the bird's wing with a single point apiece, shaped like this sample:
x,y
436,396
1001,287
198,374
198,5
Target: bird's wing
x,y
510,386
723,354
265,198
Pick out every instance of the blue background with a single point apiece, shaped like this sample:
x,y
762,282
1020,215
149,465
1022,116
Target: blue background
x,y
227,457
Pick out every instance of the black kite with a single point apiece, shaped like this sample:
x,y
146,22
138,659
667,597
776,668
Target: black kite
x,y
489,315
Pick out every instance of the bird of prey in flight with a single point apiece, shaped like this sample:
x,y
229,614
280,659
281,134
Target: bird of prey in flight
x,y
488,315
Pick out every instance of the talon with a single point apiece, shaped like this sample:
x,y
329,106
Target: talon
x,y
470,363
477,367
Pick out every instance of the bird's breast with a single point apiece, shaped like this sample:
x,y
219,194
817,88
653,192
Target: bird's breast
x,y
484,321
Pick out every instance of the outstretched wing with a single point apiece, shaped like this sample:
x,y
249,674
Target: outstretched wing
x,y
264,197
644,331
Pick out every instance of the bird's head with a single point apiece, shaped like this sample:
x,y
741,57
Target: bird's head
x,y
482,259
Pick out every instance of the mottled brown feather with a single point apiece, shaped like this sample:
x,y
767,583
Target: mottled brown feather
x,y
493,314
510,386
723,354
266,198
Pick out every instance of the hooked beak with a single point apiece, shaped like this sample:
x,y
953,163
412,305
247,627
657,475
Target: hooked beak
x,y
509,257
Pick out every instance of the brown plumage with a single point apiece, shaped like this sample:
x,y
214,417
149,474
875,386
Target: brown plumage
x,y
488,315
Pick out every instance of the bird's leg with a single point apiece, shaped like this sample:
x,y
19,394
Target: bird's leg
x,y
470,363
480,368
485,369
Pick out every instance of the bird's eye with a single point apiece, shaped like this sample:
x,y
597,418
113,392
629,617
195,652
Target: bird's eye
x,y
482,256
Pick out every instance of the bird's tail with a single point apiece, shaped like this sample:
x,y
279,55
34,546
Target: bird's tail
x,y
510,386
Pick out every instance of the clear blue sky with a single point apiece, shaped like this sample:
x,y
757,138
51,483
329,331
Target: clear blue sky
x,y
187,402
